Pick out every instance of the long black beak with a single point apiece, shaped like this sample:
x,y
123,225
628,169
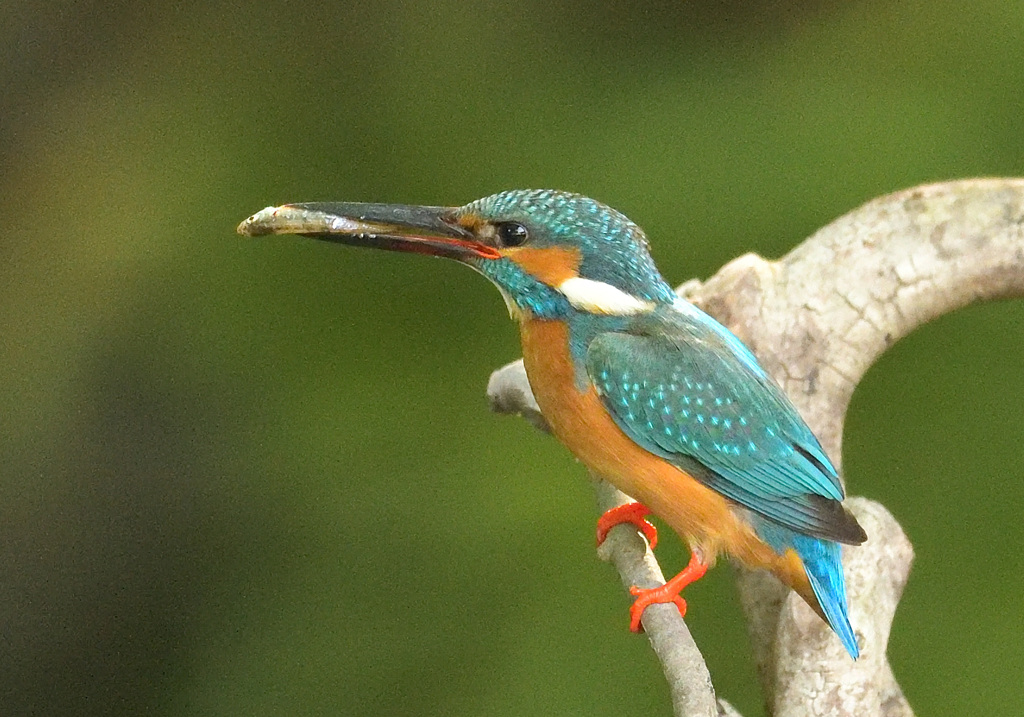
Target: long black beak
x,y
395,227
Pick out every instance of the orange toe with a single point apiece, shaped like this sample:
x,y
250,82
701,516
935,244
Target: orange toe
x,y
669,592
652,596
634,513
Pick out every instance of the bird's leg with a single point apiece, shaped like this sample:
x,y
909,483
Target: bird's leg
x,y
669,592
634,513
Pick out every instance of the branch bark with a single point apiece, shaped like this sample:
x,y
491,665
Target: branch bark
x,y
817,319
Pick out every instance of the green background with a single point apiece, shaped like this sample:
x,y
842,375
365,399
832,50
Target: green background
x,y
245,477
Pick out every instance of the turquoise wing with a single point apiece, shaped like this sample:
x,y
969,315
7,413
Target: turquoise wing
x,y
684,388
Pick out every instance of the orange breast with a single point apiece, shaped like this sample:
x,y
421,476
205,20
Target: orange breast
x,y
702,517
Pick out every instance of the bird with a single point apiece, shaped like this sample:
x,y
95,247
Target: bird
x,y
644,388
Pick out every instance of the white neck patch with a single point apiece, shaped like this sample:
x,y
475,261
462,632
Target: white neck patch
x,y
598,297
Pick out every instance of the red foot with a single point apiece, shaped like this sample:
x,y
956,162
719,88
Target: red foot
x,y
627,513
669,592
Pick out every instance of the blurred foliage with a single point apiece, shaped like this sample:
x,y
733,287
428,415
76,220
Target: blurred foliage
x,y
260,478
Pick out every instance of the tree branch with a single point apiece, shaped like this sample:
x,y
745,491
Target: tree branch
x,y
817,319
689,680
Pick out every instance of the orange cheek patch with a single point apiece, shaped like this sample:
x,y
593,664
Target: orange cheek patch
x,y
552,265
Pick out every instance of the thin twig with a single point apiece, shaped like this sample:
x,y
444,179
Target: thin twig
x,y
689,680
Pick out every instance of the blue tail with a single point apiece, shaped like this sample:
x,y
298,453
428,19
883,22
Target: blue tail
x,y
825,571
821,559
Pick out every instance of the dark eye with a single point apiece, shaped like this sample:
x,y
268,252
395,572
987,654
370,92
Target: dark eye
x,y
512,234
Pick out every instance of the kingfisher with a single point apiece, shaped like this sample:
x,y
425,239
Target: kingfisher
x,y
647,390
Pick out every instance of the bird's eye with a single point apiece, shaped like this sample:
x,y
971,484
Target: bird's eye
x,y
512,234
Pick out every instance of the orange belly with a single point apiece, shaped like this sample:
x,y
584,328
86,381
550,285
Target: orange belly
x,y
702,517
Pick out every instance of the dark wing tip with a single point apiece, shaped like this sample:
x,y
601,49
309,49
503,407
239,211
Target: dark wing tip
x,y
837,523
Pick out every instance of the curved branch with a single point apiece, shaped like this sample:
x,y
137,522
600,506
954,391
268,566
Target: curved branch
x,y
817,319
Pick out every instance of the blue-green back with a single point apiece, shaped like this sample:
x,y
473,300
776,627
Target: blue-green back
x,y
683,387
